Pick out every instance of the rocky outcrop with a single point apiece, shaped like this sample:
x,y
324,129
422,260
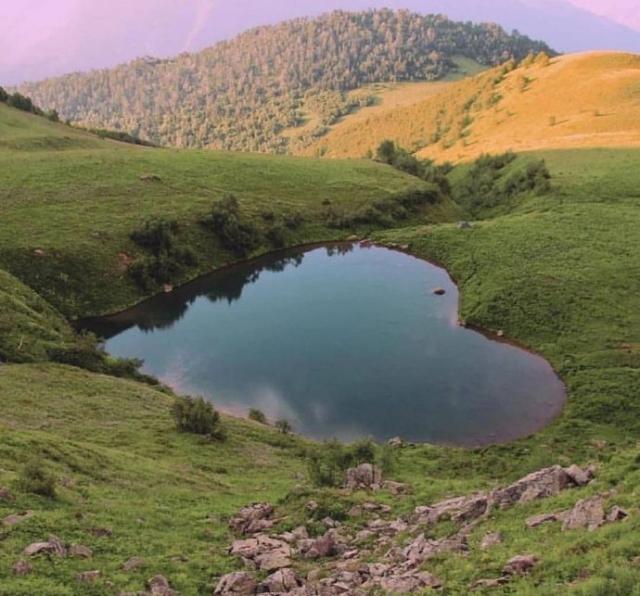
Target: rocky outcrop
x,y
544,483
159,586
520,565
586,513
53,546
238,583
263,552
283,581
253,519
543,518
364,477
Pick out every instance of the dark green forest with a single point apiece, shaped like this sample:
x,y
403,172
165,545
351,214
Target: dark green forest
x,y
242,94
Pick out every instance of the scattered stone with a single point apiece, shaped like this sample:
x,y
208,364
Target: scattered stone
x,y
167,288
543,518
491,539
395,442
353,239
355,511
150,178
404,247
617,514
6,495
586,513
500,333
159,586
520,565
238,582
39,252
88,577
488,583
409,583
365,476
52,547
544,483
421,549
464,225
133,563
325,546
439,291
16,518
579,476
376,507
253,519
80,551
395,488
283,581
456,509
22,568
311,506
329,522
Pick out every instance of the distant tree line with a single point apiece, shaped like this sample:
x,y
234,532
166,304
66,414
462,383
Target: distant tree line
x,y
243,94
24,103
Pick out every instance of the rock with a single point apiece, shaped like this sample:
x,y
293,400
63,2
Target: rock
x,y
439,291
500,333
238,582
6,495
543,518
283,581
482,584
355,511
16,518
421,549
586,513
253,519
329,522
579,476
464,225
133,563
409,583
404,247
395,442
80,551
617,514
311,506
101,532
88,577
544,483
491,539
363,536
150,178
353,239
167,288
39,252
325,546
376,507
52,547
159,586
520,564
273,561
395,488
365,476
22,568
456,509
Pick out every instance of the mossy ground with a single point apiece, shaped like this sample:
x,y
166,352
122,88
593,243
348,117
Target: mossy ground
x,y
559,274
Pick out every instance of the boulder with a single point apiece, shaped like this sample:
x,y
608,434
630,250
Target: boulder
x,y
544,483
464,225
159,586
586,513
283,581
52,547
365,476
617,514
520,565
325,546
133,563
395,442
395,488
421,549
457,509
491,539
101,532
88,577
253,519
488,584
80,551
272,561
543,518
22,568
408,583
579,476
237,583
16,518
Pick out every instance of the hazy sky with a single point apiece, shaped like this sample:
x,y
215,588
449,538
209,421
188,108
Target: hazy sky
x,y
40,38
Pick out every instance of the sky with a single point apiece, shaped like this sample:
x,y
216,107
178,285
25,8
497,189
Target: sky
x,y
42,38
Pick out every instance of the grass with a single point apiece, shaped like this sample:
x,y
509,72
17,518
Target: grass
x,y
54,178
559,273
578,101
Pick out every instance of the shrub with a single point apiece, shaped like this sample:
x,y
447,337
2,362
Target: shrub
x,y
195,415
284,426
257,416
276,235
327,463
293,220
21,102
156,235
36,479
236,234
4,96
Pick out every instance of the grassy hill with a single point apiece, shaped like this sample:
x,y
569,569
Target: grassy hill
x,y
573,101
80,198
242,94
555,272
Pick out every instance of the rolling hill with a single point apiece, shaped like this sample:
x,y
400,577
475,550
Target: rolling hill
x,y
572,101
242,94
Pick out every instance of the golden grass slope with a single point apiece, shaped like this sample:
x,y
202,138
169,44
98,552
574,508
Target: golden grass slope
x,y
574,101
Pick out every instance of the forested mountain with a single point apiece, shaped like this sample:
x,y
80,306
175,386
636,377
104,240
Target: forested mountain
x,y
243,94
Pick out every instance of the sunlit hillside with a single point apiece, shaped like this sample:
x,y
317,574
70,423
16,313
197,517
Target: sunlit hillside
x,y
574,101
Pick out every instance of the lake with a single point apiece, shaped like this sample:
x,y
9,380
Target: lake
x,y
343,341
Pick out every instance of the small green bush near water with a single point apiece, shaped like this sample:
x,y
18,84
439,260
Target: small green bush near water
x,y
34,478
257,416
197,416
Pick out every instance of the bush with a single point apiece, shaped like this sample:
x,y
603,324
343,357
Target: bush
x,y
235,233
36,479
21,102
4,96
156,235
327,463
276,235
197,416
257,416
284,426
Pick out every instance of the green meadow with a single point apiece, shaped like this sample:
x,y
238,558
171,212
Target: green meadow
x,y
558,273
